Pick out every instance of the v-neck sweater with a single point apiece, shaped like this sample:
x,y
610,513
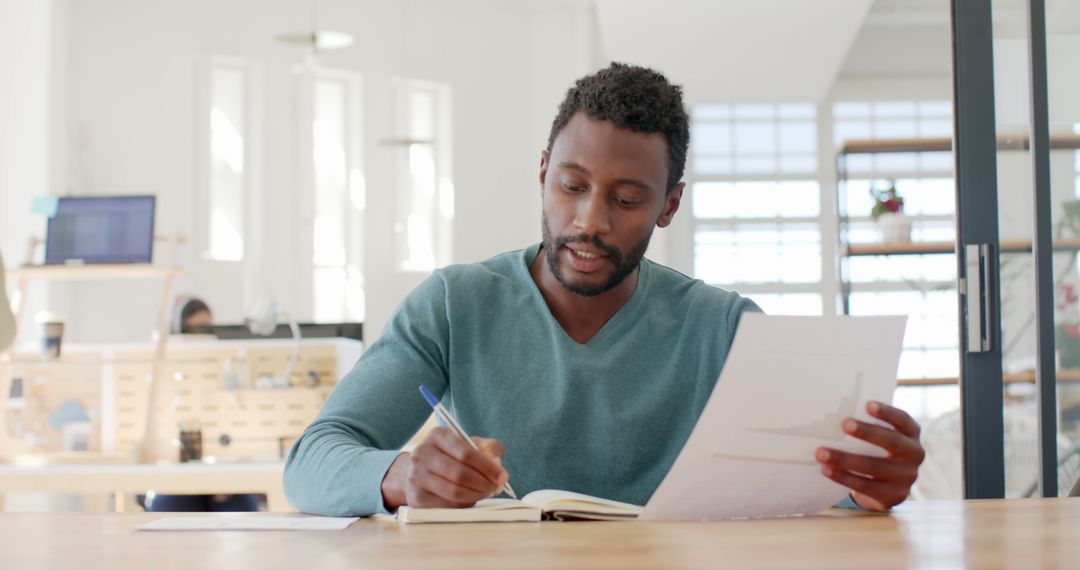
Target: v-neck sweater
x,y
606,418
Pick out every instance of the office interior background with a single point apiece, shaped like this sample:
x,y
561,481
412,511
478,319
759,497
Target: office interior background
x,y
335,180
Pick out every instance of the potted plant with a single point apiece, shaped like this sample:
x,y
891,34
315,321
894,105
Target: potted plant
x,y
888,212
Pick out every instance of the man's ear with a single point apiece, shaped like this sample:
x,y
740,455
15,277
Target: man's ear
x,y
671,205
545,160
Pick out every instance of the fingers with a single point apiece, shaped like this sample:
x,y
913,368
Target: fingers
x,y
877,482
896,417
445,471
491,447
461,474
876,468
453,445
896,444
444,491
869,493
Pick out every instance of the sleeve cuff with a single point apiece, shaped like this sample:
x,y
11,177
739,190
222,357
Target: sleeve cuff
x,y
847,503
380,462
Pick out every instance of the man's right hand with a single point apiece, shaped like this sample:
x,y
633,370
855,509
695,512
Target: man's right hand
x,y
445,471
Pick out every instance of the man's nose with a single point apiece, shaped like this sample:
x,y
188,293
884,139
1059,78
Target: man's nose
x,y
593,217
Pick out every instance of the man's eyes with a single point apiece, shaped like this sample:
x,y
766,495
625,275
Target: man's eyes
x,y
621,201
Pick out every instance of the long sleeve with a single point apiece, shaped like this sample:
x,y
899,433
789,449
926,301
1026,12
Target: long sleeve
x,y
338,464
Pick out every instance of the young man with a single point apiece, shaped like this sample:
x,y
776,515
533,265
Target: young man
x,y
586,364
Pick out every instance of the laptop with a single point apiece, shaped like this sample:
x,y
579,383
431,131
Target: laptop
x,y
101,229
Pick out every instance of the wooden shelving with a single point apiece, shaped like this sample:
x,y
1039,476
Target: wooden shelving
x,y
1005,142
22,276
849,250
93,272
1065,375
922,248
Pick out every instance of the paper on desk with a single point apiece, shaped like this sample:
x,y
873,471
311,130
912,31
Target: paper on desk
x,y
787,385
249,523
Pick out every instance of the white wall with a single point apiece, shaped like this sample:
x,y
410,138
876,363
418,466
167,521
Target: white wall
x,y
32,125
133,126
24,119
736,50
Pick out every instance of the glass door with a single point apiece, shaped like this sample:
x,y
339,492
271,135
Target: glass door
x,y
1063,113
1016,76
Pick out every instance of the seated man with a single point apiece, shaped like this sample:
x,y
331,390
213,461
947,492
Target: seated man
x,y
192,315
586,364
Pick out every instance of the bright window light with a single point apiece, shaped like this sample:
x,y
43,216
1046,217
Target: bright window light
x,y
227,173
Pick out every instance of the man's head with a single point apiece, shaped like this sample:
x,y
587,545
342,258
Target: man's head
x,y
611,172
192,315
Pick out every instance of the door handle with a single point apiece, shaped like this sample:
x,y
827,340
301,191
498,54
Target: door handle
x,y
978,295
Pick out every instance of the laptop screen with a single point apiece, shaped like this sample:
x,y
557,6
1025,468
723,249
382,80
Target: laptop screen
x,y
101,229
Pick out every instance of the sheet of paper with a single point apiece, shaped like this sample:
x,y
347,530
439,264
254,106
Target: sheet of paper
x,y
785,388
250,523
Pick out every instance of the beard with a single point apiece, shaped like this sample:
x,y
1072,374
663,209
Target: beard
x,y
624,264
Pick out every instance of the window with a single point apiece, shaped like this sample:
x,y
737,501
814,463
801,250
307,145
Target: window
x,y
756,203
228,179
760,227
425,208
339,198
920,286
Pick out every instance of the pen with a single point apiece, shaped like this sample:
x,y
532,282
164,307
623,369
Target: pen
x,y
449,420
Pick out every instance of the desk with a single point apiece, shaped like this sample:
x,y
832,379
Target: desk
x,y
1020,533
186,478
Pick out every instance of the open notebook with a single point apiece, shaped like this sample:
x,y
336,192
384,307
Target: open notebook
x,y
538,505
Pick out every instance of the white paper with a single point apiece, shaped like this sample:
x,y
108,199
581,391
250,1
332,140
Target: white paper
x,y
787,385
242,522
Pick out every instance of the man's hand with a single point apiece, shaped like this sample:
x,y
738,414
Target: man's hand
x,y
877,483
445,471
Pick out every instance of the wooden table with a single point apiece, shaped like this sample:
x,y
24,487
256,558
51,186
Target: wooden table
x,y
1022,533
118,479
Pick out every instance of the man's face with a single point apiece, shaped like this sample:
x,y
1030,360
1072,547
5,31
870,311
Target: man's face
x,y
199,323
604,190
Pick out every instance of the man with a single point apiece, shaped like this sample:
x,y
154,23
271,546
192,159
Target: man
x,y
585,364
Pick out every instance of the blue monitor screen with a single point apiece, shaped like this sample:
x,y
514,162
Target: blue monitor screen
x,y
101,229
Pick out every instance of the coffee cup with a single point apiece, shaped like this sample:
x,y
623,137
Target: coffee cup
x,y
51,328
190,441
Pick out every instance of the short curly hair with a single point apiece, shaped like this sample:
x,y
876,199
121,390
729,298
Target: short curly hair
x,y
635,98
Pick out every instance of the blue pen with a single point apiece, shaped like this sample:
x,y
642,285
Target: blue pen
x,y
449,420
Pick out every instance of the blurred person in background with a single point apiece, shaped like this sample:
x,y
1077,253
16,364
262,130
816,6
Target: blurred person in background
x,y
192,315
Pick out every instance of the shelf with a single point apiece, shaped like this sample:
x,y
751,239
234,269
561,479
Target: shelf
x,y
24,361
1066,375
1009,142
919,248
94,271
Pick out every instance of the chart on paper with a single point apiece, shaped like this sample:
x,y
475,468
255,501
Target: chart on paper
x,y
826,427
786,388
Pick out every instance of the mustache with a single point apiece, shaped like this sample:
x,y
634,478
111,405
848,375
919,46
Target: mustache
x,y
612,251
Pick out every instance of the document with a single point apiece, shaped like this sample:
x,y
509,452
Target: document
x,y
785,388
248,522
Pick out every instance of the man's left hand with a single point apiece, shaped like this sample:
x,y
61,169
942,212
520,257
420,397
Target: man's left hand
x,y
877,483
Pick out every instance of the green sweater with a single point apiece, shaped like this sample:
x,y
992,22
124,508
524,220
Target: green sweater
x,y
605,418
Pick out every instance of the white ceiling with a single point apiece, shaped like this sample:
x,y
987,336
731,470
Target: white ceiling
x,y
739,50
735,50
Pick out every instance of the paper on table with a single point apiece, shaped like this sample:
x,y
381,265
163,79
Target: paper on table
x,y
785,388
242,522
